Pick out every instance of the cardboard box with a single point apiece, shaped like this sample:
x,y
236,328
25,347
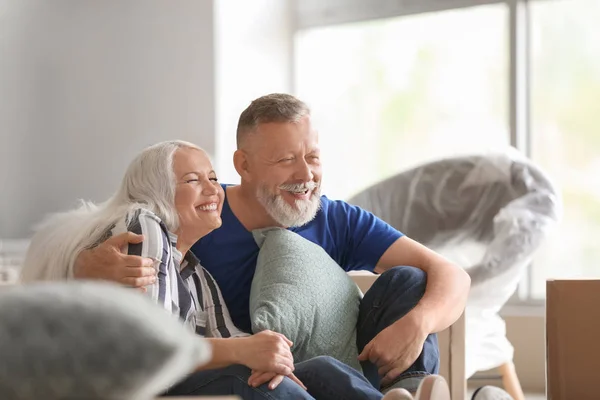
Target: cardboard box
x,y
573,339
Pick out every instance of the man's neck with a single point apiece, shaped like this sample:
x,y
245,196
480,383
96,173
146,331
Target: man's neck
x,y
248,210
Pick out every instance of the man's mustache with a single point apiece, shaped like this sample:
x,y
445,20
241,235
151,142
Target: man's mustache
x,y
299,187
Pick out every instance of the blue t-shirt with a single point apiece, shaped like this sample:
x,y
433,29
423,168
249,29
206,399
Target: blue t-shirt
x,y
353,237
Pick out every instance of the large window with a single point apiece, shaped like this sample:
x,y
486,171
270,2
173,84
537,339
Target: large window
x,y
565,83
389,92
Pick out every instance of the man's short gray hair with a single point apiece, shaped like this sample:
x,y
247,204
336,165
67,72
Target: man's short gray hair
x,y
275,107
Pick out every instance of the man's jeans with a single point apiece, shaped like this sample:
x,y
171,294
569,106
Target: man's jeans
x,y
324,377
395,293
391,297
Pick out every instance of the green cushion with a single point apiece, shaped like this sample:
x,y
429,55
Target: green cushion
x,y
300,291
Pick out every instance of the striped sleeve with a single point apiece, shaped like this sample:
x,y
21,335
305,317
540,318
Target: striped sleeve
x,y
218,321
155,246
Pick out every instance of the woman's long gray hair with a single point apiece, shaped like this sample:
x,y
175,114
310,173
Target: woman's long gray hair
x,y
149,183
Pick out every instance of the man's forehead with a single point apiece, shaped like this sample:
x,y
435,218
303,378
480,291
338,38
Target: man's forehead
x,y
283,134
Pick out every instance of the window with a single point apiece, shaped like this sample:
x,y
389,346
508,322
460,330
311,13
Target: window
x,y
398,87
565,105
388,94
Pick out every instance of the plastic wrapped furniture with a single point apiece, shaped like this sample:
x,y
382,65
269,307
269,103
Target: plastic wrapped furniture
x,y
488,214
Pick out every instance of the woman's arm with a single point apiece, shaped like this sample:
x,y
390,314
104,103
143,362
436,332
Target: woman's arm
x,y
157,247
266,351
218,320
253,352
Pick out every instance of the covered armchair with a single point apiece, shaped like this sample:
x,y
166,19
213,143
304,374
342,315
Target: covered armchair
x,y
488,214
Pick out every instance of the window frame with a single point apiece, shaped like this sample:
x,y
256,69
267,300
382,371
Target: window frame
x,y
317,13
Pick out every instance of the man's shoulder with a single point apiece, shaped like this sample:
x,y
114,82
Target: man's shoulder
x,y
336,212
335,208
331,214
327,203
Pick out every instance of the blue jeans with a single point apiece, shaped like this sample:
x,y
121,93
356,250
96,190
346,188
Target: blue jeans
x,y
395,293
324,377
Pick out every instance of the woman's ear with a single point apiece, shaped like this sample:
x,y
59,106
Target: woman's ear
x,y
241,164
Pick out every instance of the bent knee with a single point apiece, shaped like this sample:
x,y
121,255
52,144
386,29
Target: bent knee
x,y
323,360
408,275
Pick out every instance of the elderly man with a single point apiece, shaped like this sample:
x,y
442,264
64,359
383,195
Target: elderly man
x,y
418,293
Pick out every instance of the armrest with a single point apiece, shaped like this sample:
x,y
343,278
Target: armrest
x,y
451,343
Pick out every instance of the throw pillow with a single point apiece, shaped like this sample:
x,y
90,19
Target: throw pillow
x,y
300,291
90,340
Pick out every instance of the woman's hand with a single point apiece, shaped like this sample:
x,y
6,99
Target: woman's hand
x,y
258,378
265,351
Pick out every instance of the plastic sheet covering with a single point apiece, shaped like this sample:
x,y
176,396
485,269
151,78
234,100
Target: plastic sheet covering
x,y
487,213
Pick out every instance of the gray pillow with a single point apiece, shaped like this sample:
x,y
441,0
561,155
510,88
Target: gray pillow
x,y
90,340
300,291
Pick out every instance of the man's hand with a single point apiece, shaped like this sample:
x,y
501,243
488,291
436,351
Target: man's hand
x,y
396,347
107,262
257,378
266,351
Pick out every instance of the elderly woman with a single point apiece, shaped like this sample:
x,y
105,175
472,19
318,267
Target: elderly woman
x,y
171,196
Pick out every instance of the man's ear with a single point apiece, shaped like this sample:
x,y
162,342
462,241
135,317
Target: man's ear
x,y
242,165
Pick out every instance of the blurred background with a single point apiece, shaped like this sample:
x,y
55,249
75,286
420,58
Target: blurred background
x,y
85,85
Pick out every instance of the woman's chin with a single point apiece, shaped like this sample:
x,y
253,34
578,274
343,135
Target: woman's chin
x,y
201,227
213,223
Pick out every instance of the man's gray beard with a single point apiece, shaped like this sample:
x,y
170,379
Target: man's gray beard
x,y
286,215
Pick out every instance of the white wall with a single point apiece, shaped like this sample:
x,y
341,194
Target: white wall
x,y
84,85
253,58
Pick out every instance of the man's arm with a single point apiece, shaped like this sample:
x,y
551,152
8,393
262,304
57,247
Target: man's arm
x,y
367,240
447,284
396,347
107,262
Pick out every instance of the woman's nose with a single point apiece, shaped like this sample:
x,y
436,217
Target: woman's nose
x,y
209,188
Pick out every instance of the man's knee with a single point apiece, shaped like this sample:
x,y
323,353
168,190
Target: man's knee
x,y
322,362
400,288
404,278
